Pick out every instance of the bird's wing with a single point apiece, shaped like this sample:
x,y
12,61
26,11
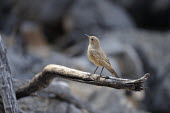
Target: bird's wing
x,y
100,55
102,59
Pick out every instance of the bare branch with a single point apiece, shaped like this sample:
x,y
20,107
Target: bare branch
x,y
6,86
44,78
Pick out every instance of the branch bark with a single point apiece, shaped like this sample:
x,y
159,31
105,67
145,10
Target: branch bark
x,y
6,86
44,78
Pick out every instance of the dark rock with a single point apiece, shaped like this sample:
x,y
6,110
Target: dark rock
x,y
42,105
5,13
68,20
48,11
95,18
48,101
148,14
102,15
159,92
105,99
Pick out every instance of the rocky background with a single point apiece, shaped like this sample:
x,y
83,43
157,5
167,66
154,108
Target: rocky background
x,y
135,34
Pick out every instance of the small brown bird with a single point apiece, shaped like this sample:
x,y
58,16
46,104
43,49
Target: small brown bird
x,y
97,56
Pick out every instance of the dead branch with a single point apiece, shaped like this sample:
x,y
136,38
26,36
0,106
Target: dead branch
x,y
6,87
44,78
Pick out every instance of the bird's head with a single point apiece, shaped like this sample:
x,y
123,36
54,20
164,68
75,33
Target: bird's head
x,y
93,40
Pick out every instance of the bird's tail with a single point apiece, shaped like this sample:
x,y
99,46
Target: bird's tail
x,y
109,68
114,73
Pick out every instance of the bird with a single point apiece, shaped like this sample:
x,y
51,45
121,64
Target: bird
x,y
97,56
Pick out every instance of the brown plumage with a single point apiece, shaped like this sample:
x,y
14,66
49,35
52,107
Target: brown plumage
x,y
97,56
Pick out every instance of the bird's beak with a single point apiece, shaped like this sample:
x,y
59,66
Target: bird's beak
x,y
87,35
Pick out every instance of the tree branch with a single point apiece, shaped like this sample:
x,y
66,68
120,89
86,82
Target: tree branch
x,y
6,86
44,78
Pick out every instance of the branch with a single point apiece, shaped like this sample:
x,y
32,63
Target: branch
x,y
44,78
6,86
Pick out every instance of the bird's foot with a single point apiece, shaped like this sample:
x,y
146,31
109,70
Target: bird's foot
x,y
106,77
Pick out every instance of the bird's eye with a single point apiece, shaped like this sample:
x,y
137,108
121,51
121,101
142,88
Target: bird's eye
x,y
92,39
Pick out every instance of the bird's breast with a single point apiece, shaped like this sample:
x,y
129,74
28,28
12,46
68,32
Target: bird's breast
x,y
92,58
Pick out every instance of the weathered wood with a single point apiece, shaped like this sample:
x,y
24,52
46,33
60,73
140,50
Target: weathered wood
x,y
44,78
6,87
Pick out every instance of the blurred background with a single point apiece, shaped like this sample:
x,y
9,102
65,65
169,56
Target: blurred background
x,y
135,34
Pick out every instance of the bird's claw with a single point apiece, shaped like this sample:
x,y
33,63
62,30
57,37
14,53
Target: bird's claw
x,y
106,77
